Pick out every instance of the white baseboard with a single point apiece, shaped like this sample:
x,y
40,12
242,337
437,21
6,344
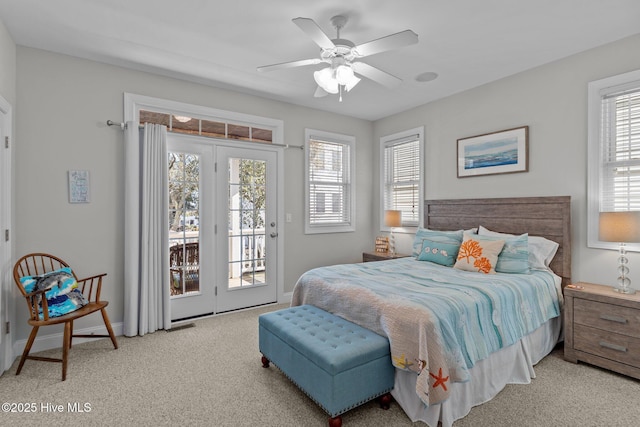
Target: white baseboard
x,y
47,342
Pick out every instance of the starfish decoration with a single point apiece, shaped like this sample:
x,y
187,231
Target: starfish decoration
x,y
440,380
402,362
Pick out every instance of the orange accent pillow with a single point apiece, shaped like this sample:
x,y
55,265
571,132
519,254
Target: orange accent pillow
x,y
479,255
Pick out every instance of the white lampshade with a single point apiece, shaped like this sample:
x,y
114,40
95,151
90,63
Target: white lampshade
x,y
346,77
622,227
392,218
325,80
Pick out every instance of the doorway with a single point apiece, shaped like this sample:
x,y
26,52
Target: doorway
x,y
222,226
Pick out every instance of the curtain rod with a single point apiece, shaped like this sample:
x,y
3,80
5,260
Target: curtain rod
x,y
123,126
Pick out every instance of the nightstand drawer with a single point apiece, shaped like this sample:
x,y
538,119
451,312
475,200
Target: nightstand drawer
x,y
606,344
608,317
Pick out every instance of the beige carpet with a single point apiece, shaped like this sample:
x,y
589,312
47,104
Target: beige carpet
x,y
211,375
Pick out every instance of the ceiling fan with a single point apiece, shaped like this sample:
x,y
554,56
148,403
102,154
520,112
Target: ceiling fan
x,y
342,56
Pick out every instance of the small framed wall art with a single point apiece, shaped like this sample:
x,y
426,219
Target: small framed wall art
x,y
78,186
506,151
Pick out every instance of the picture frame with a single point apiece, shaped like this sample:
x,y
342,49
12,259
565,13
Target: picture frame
x,y
78,186
382,244
505,151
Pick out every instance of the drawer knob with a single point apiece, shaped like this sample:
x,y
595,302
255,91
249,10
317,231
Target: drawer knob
x,y
611,346
611,318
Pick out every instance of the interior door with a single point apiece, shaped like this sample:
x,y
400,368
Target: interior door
x,y
191,226
247,228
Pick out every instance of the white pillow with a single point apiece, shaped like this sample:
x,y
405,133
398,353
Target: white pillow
x,y
541,250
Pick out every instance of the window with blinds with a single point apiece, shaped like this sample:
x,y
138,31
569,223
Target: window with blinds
x,y
402,178
614,151
329,195
620,145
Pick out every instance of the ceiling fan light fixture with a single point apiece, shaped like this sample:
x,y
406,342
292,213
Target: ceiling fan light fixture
x,y
326,80
344,74
351,83
346,77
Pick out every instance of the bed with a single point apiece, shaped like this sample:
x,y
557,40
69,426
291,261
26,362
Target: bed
x,y
458,337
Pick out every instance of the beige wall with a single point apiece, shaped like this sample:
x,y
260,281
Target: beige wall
x,y
64,103
552,101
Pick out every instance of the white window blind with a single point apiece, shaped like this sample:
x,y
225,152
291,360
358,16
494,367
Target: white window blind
x,y
329,183
613,151
620,150
402,178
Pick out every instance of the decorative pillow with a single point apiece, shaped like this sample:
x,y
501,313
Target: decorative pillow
x,y
478,254
440,253
514,257
449,237
541,250
63,295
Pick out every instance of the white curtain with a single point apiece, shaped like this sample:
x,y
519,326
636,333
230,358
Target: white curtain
x,y
146,253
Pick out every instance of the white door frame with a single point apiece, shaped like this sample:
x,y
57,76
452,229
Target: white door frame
x,y
6,247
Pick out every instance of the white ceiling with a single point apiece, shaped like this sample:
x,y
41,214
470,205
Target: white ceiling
x,y
466,42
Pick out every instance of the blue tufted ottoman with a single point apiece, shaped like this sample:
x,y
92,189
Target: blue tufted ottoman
x,y
338,364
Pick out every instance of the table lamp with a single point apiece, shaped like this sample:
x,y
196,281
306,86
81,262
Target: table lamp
x,y
392,219
621,227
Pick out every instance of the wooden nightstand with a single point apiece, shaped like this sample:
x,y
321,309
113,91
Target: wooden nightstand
x,y
380,256
602,327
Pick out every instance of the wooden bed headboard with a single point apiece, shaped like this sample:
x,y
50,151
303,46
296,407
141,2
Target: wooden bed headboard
x,y
549,217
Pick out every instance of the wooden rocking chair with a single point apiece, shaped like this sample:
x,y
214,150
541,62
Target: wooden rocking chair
x,y
37,264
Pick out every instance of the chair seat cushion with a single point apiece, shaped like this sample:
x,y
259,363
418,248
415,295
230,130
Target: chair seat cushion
x,y
62,293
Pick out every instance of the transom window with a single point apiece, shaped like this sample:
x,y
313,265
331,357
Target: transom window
x,y
212,129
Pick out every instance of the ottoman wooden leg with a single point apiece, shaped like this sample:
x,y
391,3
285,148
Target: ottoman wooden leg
x,y
385,401
265,362
335,421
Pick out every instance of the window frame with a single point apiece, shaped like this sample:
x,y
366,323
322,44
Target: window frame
x,y
596,91
349,142
387,141
133,103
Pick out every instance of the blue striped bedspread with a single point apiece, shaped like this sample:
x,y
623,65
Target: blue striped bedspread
x,y
440,321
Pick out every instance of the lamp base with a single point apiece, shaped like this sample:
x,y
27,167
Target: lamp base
x,y
627,291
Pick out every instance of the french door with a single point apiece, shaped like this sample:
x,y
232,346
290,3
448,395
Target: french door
x,y
247,228
222,226
191,226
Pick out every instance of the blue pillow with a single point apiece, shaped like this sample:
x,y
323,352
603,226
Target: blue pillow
x,y
63,295
440,253
514,257
450,237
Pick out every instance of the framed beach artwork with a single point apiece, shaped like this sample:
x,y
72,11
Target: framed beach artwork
x,y
505,151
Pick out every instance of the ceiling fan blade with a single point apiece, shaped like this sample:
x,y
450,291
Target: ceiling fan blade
x,y
394,41
291,64
319,93
317,35
376,74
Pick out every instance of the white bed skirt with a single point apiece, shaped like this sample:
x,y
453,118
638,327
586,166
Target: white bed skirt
x,y
510,365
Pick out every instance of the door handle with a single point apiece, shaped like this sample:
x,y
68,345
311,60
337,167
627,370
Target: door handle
x,y
274,234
